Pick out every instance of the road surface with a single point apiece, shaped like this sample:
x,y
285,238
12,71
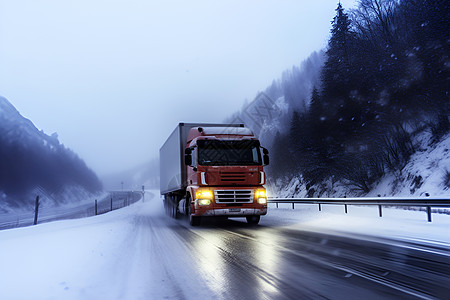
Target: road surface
x,y
140,253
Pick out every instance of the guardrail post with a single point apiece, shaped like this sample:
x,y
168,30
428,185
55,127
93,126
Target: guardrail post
x,y
36,210
428,204
429,213
95,206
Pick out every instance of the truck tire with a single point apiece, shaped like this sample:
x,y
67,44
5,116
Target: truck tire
x,y
166,204
253,220
173,207
193,220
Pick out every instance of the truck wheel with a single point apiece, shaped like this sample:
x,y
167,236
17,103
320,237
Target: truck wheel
x,y
253,220
193,220
173,209
166,205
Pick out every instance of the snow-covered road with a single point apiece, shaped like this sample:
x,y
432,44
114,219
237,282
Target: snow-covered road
x,y
139,253
119,255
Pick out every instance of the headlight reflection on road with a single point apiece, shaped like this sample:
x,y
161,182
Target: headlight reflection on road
x,y
246,263
269,262
211,261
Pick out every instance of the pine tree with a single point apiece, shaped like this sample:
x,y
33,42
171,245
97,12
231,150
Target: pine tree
x,y
295,131
337,71
315,107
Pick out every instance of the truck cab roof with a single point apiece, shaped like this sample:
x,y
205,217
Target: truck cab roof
x,y
219,133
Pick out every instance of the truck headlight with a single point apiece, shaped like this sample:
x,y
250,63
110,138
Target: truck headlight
x,y
261,196
261,193
262,200
204,194
204,202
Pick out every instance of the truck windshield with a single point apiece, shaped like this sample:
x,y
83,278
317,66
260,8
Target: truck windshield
x,y
228,153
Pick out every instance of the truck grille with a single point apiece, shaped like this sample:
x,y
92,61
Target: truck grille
x,y
233,196
232,176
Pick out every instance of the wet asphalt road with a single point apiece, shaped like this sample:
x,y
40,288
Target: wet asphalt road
x,y
237,261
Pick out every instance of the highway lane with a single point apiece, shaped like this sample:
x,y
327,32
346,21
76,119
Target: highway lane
x,y
238,261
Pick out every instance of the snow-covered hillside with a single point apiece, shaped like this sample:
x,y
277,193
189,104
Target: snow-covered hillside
x,y
426,173
33,163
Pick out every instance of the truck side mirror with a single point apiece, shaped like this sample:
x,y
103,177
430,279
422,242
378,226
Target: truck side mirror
x,y
188,156
265,156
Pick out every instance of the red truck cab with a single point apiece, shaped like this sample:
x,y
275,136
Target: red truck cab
x,y
213,170
225,175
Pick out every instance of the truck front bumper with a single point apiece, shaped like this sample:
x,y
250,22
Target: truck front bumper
x,y
235,212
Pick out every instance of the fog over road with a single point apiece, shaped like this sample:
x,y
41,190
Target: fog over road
x,y
140,253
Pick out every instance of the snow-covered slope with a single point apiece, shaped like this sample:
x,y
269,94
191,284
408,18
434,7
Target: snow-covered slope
x,y
426,173
13,126
33,163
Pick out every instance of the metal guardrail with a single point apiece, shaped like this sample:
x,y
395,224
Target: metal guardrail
x,y
428,203
111,201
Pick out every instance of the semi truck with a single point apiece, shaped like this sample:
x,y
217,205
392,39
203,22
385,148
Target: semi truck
x,y
213,170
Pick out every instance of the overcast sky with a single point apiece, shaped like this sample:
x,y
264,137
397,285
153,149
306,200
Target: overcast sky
x,y
114,77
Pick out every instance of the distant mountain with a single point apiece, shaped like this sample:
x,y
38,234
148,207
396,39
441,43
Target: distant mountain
x,y
32,162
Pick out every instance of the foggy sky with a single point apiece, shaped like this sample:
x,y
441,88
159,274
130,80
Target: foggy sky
x,y
114,77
